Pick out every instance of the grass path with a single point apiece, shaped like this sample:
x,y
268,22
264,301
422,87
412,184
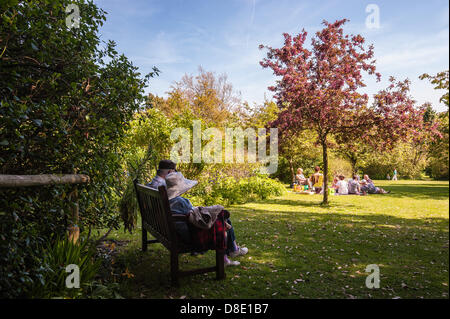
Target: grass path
x,y
299,249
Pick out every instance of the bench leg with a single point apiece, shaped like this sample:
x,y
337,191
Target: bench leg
x,y
144,240
174,269
220,264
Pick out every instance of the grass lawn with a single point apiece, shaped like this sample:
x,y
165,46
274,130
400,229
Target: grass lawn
x,y
299,249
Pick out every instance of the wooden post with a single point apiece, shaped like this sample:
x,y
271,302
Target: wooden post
x,y
144,239
74,230
220,264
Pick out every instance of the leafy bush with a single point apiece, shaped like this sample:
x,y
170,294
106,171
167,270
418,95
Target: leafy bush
x,y
439,151
404,157
56,257
104,290
24,231
339,166
439,168
66,100
226,190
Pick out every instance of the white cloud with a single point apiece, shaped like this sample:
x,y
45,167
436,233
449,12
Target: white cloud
x,y
412,57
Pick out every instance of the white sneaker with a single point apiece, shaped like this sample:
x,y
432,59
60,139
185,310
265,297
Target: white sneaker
x,y
232,263
241,251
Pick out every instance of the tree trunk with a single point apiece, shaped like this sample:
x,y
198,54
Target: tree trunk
x,y
353,163
291,166
325,171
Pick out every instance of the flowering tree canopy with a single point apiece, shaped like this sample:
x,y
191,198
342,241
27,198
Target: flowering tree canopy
x,y
318,90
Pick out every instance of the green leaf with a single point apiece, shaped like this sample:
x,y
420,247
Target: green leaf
x,y
38,122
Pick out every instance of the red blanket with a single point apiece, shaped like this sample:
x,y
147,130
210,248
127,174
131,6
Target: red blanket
x,y
213,238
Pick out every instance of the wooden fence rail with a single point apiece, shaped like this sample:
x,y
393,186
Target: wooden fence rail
x,y
41,180
13,181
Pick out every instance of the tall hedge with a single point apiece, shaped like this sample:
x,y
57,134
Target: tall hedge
x,y
66,98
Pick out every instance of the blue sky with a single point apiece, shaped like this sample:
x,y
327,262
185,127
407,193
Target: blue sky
x,y
223,36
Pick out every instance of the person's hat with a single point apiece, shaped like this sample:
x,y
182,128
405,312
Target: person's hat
x,y
177,184
167,164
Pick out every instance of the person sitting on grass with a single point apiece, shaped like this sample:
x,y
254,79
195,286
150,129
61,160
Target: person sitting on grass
x,y
316,180
353,185
367,179
342,186
300,179
368,186
178,185
334,184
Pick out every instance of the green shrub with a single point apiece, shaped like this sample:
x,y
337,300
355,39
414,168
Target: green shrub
x,y
338,166
72,122
105,290
439,157
56,258
27,222
405,157
226,190
439,168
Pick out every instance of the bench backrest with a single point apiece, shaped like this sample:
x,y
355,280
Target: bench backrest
x,y
155,213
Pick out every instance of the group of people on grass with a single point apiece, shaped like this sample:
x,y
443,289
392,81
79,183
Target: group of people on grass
x,y
314,182
176,185
354,185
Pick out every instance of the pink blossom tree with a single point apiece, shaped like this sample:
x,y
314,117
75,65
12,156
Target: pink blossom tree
x,y
318,90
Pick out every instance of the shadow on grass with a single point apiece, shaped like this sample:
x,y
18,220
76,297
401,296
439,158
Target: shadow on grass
x,y
332,249
302,202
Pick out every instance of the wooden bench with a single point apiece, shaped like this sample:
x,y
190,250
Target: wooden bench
x,y
158,220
